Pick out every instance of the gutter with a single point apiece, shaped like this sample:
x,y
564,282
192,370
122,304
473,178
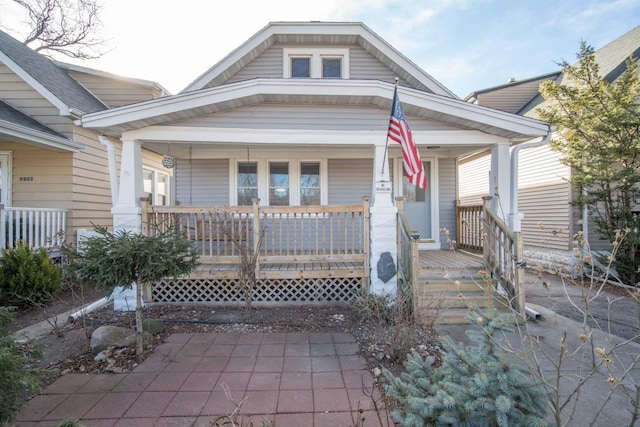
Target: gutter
x,y
113,168
515,216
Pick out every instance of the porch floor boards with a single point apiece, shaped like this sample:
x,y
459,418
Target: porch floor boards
x,y
444,259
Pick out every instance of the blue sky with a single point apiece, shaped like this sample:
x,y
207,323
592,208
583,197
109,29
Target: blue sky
x,y
465,44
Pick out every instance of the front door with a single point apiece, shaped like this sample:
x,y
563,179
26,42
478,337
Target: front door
x,y
417,204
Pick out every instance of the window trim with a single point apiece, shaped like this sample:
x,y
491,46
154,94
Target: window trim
x,y
316,55
154,184
263,178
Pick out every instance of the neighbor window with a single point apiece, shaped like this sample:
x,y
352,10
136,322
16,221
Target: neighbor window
x,y
278,184
247,183
309,183
331,68
300,67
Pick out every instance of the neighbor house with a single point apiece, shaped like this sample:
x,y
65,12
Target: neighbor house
x,y
54,178
296,117
544,192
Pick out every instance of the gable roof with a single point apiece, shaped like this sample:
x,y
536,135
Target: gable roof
x,y
21,127
135,81
44,76
314,33
511,96
611,58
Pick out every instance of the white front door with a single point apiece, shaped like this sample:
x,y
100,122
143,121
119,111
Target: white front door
x,y
5,178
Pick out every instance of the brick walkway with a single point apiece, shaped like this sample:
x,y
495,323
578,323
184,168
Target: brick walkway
x,y
290,379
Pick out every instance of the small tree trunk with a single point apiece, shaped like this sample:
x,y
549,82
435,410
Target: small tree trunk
x,y
139,330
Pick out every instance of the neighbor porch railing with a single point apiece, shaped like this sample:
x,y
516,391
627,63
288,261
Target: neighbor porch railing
x,y
38,227
290,234
469,227
503,257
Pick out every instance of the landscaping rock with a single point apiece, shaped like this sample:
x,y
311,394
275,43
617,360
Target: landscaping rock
x,y
113,336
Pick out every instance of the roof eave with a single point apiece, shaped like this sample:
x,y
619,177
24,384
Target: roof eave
x,y
416,102
32,136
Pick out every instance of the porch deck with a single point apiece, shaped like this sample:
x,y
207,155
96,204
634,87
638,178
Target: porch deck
x,y
445,259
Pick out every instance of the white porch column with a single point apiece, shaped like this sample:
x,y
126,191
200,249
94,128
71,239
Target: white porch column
x,y
127,212
500,180
384,250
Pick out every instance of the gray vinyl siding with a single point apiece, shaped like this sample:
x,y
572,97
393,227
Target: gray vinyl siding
x,y
267,65
473,180
544,195
362,66
511,98
349,180
202,182
308,116
447,188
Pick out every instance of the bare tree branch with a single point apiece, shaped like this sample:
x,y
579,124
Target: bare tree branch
x,y
69,27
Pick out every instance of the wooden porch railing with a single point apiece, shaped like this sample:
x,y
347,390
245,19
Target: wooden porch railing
x,y
38,227
408,254
503,257
469,227
290,234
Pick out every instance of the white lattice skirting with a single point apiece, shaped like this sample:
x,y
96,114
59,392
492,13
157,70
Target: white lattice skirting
x,y
289,291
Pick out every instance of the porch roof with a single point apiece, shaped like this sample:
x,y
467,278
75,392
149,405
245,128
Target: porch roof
x,y
447,110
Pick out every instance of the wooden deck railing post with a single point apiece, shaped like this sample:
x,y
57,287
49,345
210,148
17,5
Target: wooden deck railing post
x,y
256,234
366,225
144,207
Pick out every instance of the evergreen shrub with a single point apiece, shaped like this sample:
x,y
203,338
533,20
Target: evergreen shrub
x,y
28,277
479,385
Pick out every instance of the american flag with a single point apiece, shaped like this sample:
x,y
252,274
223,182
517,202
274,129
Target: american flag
x,y
400,132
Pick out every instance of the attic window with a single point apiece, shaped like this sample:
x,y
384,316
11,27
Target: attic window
x,y
315,63
300,67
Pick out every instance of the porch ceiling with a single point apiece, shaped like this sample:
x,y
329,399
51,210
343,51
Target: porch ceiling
x,y
165,111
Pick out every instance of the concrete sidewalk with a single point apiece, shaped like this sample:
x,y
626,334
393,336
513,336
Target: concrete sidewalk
x,y
612,323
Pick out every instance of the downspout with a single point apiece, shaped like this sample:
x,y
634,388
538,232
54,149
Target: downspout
x,y
515,216
113,168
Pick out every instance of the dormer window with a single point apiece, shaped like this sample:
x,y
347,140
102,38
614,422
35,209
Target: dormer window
x,y
301,67
316,63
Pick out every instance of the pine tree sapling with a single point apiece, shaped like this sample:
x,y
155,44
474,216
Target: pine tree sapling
x,y
480,385
122,258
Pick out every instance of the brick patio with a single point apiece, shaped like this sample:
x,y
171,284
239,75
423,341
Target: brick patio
x,y
290,379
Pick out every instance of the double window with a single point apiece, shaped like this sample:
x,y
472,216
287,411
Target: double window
x,y
281,183
316,63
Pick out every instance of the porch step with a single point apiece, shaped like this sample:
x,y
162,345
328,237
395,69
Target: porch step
x,y
447,301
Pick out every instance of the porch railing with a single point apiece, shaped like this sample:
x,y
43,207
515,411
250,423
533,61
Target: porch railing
x,y
38,227
503,257
408,254
283,234
469,227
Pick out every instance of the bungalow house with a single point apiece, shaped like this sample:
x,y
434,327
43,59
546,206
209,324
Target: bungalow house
x,y
296,119
54,178
543,192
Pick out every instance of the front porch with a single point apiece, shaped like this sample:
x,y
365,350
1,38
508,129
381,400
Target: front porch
x,y
321,255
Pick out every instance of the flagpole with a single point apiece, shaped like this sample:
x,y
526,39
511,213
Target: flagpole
x,y
386,145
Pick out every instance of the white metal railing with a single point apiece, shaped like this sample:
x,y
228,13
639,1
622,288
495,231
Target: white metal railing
x,y
38,227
